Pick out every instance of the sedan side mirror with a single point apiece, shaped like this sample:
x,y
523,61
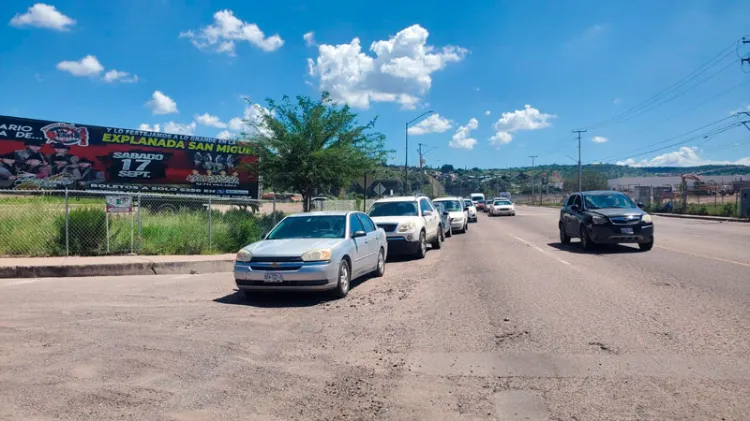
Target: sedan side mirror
x,y
640,205
357,234
265,234
446,213
575,208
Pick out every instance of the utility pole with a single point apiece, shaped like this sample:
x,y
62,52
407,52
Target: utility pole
x,y
421,174
533,157
406,157
580,172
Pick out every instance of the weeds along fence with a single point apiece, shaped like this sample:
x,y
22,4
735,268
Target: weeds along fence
x,y
75,223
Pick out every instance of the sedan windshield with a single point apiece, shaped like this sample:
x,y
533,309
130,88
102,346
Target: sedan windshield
x,y
608,200
394,209
502,203
451,205
323,226
468,203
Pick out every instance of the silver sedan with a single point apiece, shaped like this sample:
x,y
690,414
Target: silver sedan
x,y
313,252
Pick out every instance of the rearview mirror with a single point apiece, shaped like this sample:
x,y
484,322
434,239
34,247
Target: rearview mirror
x,y
357,234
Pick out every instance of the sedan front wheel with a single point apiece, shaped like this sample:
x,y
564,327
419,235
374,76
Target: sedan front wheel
x,y
345,277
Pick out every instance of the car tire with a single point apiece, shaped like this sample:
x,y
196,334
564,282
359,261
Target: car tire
x,y
564,239
586,242
450,231
646,246
422,246
437,243
344,281
380,268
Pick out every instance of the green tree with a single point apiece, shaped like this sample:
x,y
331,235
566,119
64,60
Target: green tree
x,y
590,180
310,146
446,168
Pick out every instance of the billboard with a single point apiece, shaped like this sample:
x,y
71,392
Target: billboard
x,y
37,154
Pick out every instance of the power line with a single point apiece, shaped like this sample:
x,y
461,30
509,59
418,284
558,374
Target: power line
x,y
713,61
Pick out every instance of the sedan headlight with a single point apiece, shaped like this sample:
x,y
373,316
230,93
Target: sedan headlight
x,y
646,219
599,220
244,256
317,255
406,227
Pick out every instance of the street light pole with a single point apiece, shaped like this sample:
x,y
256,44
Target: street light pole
x,y
406,157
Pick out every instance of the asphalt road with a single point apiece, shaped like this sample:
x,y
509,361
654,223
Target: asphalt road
x,y
503,323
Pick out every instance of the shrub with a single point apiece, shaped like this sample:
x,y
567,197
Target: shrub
x,y
87,228
240,229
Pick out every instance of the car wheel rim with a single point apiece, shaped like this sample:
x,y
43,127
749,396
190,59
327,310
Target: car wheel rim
x,y
344,279
422,244
381,262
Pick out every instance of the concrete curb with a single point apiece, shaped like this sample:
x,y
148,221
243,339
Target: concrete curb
x,y
701,217
118,269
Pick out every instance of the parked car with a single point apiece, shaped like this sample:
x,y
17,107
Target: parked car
x,y
445,216
313,252
502,207
472,210
410,222
598,217
458,213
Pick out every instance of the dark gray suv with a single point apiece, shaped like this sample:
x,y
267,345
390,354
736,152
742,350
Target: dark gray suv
x,y
605,217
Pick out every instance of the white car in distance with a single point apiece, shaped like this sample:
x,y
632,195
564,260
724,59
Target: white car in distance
x,y
502,207
471,210
457,212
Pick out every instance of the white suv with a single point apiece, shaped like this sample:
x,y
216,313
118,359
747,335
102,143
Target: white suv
x,y
458,213
410,222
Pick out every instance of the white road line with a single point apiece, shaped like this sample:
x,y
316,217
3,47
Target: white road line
x,y
543,251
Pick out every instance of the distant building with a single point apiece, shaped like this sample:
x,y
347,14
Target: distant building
x,y
629,183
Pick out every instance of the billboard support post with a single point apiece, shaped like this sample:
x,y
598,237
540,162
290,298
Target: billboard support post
x,y
106,222
67,224
132,230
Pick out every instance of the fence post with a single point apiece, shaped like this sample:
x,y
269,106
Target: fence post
x,y
67,224
140,225
273,211
132,226
210,221
106,221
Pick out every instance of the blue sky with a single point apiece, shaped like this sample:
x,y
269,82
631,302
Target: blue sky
x,y
540,68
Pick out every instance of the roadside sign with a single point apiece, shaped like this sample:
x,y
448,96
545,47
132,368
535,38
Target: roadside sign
x,y
379,189
119,203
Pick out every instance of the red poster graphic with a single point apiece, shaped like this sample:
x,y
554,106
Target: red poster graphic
x,y
36,154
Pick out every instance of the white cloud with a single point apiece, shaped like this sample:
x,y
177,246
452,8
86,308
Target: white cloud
x,y
177,128
501,138
739,110
461,139
43,15
685,157
226,30
207,119
226,134
146,127
431,124
162,104
513,121
309,39
87,66
251,122
118,76
487,112
599,139
400,70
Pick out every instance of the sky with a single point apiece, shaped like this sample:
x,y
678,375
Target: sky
x,y
653,83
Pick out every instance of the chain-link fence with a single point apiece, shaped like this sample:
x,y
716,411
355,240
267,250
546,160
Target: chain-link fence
x,y
68,223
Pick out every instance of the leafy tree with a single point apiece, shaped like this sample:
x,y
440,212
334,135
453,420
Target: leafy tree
x,y
446,168
590,180
313,145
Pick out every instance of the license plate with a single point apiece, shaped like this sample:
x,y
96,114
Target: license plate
x,y
273,278
626,230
